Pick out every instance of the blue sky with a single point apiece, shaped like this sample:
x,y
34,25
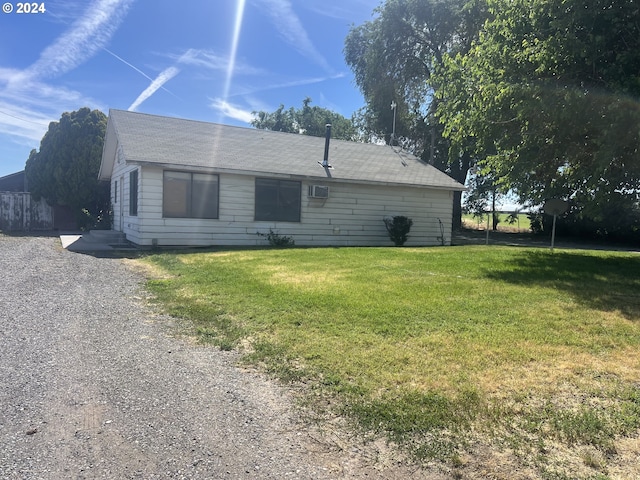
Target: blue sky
x,y
210,60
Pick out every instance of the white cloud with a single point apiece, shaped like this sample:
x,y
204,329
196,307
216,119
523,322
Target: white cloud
x,y
27,109
232,111
289,84
164,76
81,41
209,60
28,125
291,29
27,103
202,58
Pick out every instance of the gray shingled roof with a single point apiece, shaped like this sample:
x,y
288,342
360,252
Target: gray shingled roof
x,y
150,139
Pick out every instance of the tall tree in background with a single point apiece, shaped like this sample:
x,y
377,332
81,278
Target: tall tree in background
x,y
307,120
394,58
65,169
550,94
280,120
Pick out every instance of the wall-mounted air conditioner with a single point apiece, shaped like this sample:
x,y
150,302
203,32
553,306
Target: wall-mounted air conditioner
x,y
318,191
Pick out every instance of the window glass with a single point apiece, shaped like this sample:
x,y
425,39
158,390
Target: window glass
x,y
133,193
266,199
204,196
189,195
289,201
277,200
175,194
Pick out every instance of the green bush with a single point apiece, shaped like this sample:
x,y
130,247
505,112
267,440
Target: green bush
x,y
398,228
277,240
535,219
103,220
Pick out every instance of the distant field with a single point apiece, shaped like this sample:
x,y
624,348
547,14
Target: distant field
x,y
521,224
490,360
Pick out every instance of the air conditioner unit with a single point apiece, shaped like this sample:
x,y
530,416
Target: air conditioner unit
x,y
318,191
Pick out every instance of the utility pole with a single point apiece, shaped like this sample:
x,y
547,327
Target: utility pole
x,y
394,105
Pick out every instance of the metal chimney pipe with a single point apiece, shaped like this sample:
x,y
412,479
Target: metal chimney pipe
x,y
327,138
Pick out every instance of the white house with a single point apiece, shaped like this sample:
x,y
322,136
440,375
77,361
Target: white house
x,y
184,182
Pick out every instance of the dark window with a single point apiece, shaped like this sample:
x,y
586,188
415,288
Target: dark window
x,y
133,193
278,200
115,193
189,195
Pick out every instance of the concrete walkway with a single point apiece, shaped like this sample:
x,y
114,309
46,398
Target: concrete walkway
x,y
96,241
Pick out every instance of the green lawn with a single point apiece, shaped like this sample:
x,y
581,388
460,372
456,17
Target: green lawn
x,y
520,223
443,350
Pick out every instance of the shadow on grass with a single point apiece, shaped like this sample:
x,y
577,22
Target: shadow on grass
x,y
605,282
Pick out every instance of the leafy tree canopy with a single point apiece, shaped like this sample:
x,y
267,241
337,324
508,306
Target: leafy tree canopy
x,y
307,120
395,55
550,96
65,169
394,58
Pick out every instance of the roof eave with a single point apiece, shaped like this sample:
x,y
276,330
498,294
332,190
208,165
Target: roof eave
x,y
318,178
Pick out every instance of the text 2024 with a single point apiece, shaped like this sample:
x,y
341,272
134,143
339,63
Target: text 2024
x,y
30,7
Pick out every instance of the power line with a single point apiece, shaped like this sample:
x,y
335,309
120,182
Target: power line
x,y
23,119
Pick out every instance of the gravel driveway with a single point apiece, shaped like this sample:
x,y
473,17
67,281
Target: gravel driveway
x,y
94,385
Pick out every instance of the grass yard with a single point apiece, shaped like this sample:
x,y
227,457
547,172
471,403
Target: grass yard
x,y
519,224
495,358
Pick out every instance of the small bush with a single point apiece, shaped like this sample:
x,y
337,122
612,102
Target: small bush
x,y
277,240
398,228
535,219
103,220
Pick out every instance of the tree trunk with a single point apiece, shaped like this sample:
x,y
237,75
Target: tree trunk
x,y
458,171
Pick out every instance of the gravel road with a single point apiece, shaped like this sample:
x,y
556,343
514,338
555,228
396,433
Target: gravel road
x,y
94,384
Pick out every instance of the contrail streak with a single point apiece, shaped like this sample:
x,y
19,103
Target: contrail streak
x,y
156,84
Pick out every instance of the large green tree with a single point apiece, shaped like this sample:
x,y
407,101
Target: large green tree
x,y
65,169
307,120
550,96
394,58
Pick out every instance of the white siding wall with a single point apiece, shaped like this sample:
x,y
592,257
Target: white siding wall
x,y
352,215
122,221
